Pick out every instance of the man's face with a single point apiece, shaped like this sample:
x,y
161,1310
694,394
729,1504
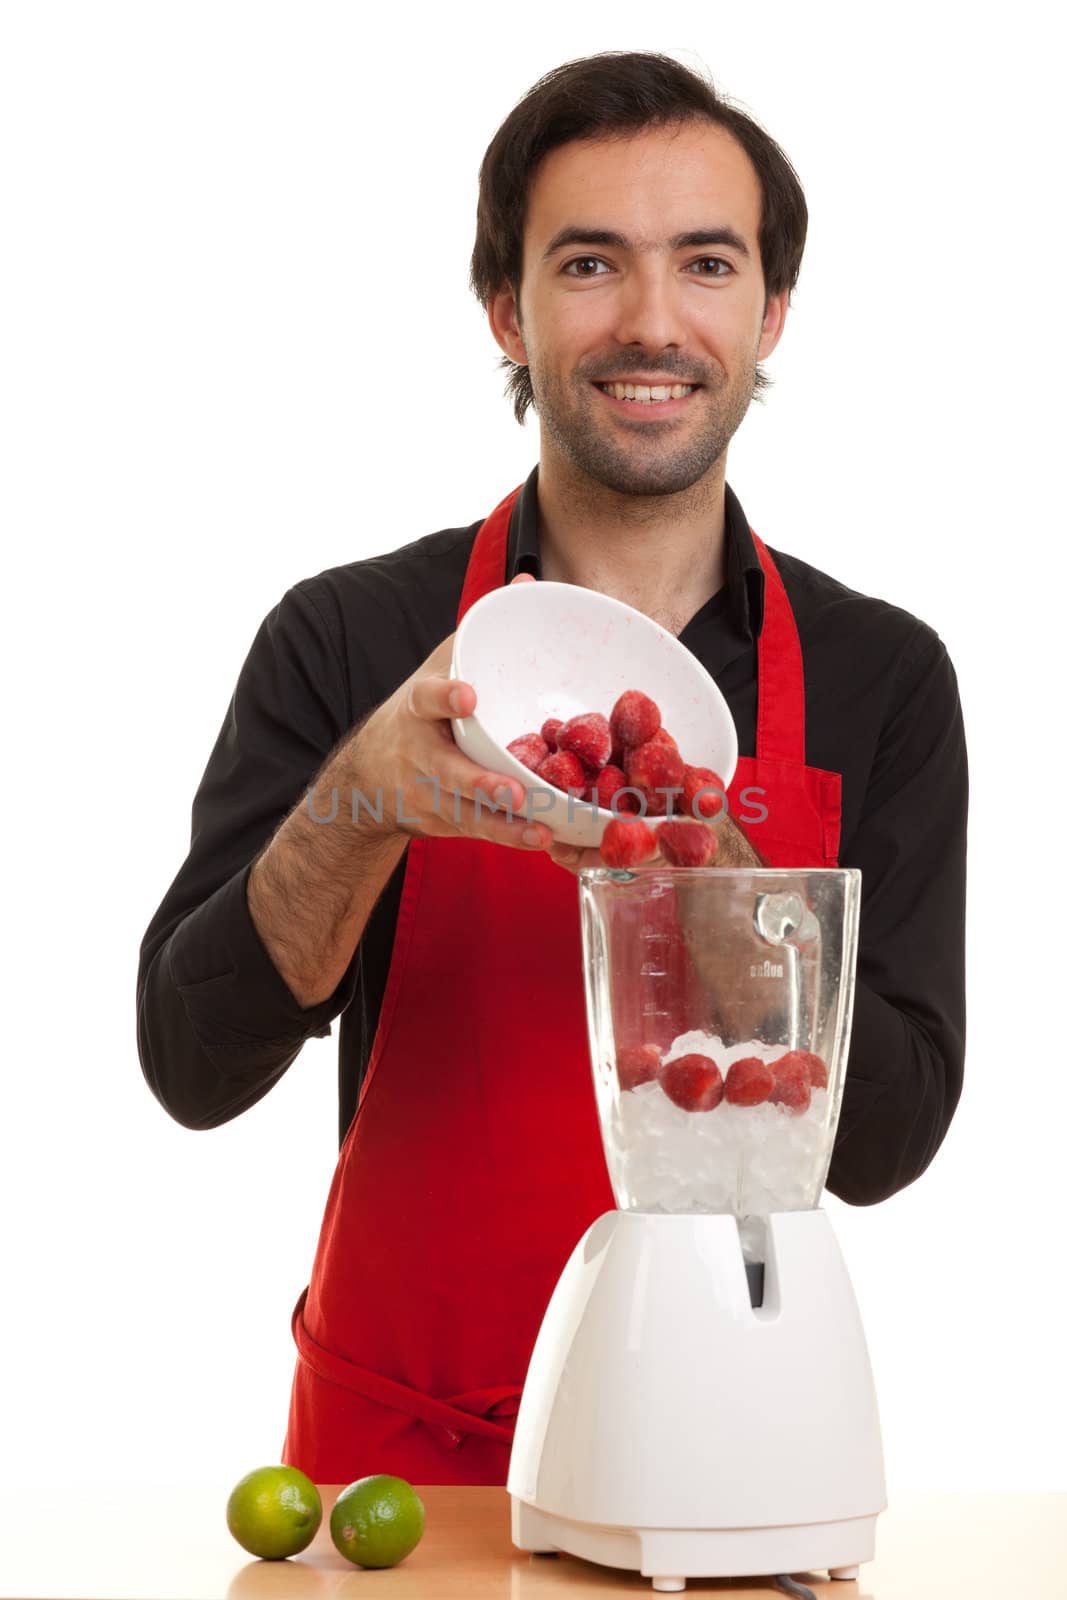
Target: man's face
x,y
645,306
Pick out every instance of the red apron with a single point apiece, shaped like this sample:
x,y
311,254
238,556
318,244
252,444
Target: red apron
x,y
474,1163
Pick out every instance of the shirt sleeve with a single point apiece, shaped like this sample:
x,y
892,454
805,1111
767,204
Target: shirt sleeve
x,y
216,1023
905,1064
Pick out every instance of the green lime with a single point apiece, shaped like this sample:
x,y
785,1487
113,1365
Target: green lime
x,y
377,1521
274,1512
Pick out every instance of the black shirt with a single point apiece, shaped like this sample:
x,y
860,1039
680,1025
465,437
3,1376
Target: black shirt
x,y
216,1023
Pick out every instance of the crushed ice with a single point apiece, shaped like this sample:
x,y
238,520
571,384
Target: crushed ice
x,y
746,1159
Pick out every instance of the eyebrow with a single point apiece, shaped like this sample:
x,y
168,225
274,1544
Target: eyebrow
x,y
618,241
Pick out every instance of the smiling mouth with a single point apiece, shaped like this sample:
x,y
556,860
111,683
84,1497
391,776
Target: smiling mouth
x,y
647,394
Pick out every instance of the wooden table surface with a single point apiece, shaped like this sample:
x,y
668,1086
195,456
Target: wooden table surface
x,y
138,1543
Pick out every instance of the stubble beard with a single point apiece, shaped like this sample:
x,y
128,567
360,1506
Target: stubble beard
x,y
617,456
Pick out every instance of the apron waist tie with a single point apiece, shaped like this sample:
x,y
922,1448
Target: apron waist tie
x,y
455,1417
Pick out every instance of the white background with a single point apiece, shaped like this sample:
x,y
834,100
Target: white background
x,y
238,347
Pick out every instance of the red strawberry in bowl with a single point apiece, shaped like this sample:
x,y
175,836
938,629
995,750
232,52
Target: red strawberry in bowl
x,y
530,749
655,768
588,737
563,770
702,792
635,718
607,783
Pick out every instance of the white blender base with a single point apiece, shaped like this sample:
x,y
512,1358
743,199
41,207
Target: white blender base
x,y
670,1427
663,1553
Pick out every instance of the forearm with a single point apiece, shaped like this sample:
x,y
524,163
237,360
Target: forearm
x,y
312,890
734,848
902,1086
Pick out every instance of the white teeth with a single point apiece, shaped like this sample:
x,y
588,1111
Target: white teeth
x,y
645,394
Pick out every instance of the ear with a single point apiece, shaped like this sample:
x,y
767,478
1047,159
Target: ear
x,y
504,321
773,323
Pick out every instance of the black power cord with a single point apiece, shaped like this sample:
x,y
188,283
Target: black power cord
x,y
790,1586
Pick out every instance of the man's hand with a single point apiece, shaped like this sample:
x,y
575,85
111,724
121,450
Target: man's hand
x,y
573,856
405,758
733,848
311,891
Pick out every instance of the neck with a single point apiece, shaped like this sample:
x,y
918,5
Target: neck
x,y
662,554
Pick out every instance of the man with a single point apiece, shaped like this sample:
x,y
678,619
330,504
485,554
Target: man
x,y
633,230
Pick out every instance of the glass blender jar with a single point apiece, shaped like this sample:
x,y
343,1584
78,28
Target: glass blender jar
x,y
719,1005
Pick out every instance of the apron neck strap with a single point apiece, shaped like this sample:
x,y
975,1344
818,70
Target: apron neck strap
x,y
780,719
487,566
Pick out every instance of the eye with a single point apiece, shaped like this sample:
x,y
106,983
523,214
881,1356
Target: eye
x,y
715,261
580,261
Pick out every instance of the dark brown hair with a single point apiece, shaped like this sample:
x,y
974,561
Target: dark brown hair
x,y
619,92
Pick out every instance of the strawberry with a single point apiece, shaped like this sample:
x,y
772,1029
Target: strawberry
x,y
815,1064
530,749
627,842
563,770
599,790
660,738
588,737
686,844
792,1083
820,1078
550,730
655,768
634,719
638,1064
692,1082
749,1082
695,804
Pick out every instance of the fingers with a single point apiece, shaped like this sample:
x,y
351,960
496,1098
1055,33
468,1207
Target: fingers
x,y
434,699
429,687
565,855
573,857
458,816
448,773
437,700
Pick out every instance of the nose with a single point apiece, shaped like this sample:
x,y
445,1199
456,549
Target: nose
x,y
650,309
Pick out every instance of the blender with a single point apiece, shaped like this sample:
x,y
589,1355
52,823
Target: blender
x,y
700,1401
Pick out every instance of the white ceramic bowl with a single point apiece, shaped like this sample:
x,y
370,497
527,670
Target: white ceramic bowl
x,y
537,650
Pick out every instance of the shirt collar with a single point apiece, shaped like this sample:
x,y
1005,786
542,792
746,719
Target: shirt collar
x,y
744,575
